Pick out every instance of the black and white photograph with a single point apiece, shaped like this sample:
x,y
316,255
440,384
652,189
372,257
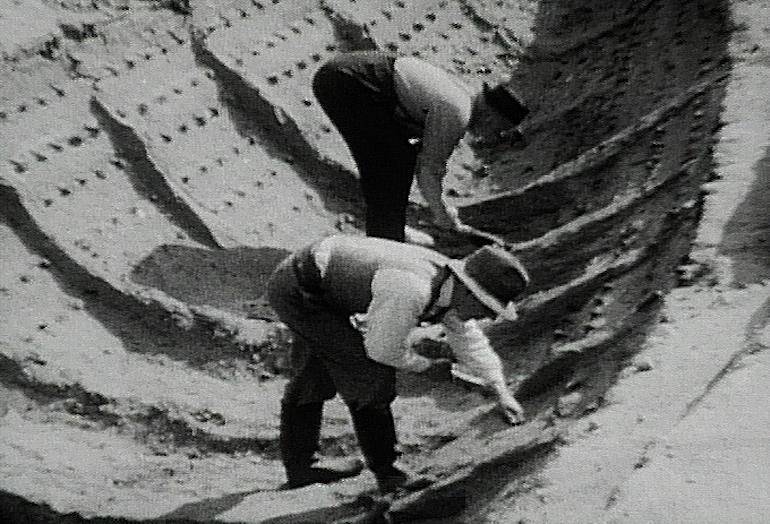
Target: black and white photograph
x,y
384,261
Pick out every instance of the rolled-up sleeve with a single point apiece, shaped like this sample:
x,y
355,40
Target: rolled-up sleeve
x,y
472,349
398,299
445,125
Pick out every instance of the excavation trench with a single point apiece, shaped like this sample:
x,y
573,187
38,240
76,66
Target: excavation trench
x,y
209,162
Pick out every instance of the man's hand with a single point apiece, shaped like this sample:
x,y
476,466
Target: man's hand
x,y
512,410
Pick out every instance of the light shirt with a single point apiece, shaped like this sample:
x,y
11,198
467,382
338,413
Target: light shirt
x,y
438,103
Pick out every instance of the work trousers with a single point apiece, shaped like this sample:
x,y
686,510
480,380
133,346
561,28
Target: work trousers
x,y
327,355
379,141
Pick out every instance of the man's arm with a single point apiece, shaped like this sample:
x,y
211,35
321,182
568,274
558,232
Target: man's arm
x,y
445,125
431,184
398,299
472,348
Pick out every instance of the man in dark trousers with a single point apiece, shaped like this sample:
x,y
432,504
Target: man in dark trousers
x,y
351,302
402,118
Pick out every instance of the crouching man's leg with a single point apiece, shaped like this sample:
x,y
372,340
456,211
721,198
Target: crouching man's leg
x,y
376,433
368,389
328,356
309,384
300,431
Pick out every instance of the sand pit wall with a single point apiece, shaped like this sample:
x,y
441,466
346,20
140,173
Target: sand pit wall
x,y
159,159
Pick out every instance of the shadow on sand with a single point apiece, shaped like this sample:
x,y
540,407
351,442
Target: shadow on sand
x,y
230,279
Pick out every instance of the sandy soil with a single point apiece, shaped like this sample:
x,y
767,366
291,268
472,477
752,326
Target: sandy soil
x,y
160,157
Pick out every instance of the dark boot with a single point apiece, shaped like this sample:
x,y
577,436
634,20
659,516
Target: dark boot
x,y
376,432
300,432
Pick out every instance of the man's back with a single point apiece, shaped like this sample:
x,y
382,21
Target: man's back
x,y
348,265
